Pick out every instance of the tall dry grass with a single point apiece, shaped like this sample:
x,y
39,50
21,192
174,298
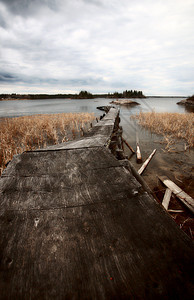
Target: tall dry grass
x,y
39,131
175,125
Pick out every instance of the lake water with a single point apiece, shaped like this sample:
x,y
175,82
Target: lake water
x,y
18,108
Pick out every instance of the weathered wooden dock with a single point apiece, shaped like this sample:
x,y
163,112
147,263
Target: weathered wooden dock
x,y
76,224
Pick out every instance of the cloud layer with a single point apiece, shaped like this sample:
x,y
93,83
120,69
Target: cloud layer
x,y
57,46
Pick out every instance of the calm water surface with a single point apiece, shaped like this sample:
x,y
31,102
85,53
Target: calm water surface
x,y
18,108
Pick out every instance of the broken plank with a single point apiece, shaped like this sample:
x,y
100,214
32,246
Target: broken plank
x,y
140,171
175,210
184,197
166,199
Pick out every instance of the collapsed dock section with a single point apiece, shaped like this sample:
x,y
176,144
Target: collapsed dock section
x,y
76,224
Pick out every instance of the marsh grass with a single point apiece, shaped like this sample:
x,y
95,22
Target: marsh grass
x,y
39,131
170,125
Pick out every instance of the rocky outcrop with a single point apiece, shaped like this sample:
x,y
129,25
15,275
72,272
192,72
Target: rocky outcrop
x,y
187,102
124,102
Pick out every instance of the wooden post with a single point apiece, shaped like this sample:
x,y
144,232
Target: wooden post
x,y
184,197
166,199
138,154
122,143
140,171
123,140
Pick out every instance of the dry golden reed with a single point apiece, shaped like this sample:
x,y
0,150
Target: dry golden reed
x,y
174,124
38,131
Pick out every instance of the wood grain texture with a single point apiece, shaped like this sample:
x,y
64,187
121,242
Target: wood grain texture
x,y
144,165
166,199
76,224
184,197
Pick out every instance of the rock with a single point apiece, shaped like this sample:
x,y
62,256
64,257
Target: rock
x,y
124,102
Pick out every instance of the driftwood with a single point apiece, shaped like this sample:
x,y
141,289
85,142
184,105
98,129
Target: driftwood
x,y
184,197
138,154
140,171
166,199
123,140
175,210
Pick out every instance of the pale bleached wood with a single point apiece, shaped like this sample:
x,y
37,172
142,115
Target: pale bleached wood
x,y
175,210
140,171
184,197
166,199
138,154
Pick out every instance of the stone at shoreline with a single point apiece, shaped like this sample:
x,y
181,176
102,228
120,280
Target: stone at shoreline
x,y
189,102
125,102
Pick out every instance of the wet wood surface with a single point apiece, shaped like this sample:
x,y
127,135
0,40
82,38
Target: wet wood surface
x,y
76,224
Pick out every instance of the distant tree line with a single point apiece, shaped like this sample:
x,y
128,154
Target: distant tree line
x,y
81,95
128,94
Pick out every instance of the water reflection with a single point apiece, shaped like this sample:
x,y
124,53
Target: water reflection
x,y
189,109
84,108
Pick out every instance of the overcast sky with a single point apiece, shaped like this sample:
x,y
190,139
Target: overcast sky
x,y
62,46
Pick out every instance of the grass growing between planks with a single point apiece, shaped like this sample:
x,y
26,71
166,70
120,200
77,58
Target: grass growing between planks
x,y
170,125
39,131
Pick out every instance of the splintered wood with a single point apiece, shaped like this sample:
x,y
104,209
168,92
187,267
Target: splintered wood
x,y
140,171
166,199
184,197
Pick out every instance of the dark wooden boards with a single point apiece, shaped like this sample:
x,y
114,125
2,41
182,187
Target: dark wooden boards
x,y
97,136
55,162
69,179
99,251
76,224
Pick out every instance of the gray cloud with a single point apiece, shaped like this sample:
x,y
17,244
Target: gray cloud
x,y
28,7
5,77
98,45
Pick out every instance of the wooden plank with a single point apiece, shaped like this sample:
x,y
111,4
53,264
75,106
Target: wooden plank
x,y
140,171
100,251
184,197
73,187
106,122
175,211
59,162
98,140
166,199
112,114
103,130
